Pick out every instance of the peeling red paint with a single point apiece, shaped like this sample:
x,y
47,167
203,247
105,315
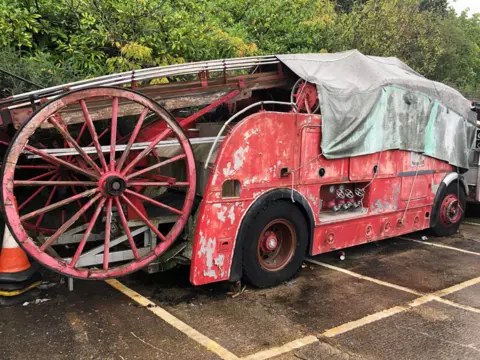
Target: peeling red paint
x,y
261,145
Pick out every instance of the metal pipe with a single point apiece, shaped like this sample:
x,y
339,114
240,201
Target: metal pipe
x,y
293,105
59,152
160,71
128,78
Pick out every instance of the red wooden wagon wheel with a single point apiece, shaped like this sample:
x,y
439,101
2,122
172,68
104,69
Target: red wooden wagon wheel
x,y
304,94
98,174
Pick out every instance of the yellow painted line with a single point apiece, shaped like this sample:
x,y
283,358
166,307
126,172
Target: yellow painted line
x,y
368,278
458,287
173,321
364,321
377,316
440,246
425,298
399,309
20,291
296,344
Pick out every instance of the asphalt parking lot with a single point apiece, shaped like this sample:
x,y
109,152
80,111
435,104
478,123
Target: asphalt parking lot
x,y
402,298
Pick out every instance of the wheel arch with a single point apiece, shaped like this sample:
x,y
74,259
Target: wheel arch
x,y
449,179
277,194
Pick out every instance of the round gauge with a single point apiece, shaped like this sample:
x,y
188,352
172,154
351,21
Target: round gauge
x,y
341,187
331,189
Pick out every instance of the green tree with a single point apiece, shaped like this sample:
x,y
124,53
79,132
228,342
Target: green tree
x,y
393,28
57,41
437,6
283,26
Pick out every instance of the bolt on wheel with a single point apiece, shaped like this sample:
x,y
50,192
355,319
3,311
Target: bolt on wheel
x,y
96,161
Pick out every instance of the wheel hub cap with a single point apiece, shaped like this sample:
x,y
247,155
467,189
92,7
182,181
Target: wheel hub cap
x,y
115,185
451,211
270,242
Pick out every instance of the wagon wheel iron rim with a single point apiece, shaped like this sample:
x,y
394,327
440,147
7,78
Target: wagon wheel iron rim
x,y
276,245
99,181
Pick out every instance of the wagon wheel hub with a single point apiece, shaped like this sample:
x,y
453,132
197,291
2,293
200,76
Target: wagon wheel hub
x,y
112,184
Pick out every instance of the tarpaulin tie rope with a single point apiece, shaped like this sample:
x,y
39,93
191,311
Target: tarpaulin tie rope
x,y
411,192
298,168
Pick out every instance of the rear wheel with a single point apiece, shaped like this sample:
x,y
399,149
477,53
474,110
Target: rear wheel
x,y
451,210
275,244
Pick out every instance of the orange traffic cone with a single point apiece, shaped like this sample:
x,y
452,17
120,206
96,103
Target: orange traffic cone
x,y
14,263
18,277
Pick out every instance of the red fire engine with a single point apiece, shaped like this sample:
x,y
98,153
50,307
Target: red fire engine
x,y
221,165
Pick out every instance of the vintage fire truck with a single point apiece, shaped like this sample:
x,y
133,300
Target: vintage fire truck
x,y
239,167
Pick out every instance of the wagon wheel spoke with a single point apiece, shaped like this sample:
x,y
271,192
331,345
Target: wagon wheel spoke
x,y
49,200
123,221
53,183
69,223
157,184
74,177
108,229
79,203
113,134
102,134
156,166
42,175
146,151
62,129
59,204
57,161
35,167
154,202
135,132
87,233
93,133
31,197
143,217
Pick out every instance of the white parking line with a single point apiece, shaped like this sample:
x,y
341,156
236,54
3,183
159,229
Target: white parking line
x,y
173,321
457,305
440,246
470,223
295,344
368,278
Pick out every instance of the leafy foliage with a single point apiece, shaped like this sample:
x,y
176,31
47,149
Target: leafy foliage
x,y
57,41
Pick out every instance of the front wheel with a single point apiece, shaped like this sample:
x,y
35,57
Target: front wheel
x,y
451,210
275,244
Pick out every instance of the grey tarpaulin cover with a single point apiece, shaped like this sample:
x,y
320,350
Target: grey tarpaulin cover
x,y
370,104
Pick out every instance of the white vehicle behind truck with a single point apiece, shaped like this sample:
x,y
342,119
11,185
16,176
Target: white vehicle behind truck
x,y
472,176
